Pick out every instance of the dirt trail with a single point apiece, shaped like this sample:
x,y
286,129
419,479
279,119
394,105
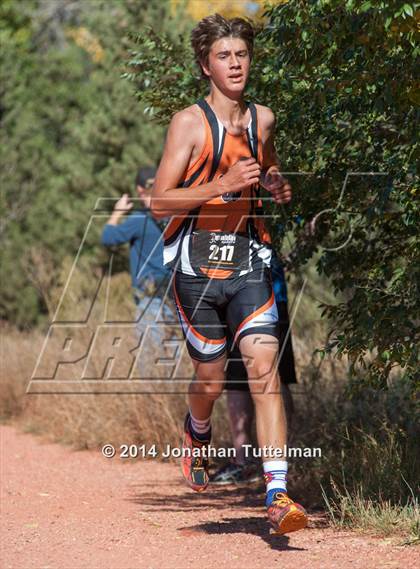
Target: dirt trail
x,y
78,510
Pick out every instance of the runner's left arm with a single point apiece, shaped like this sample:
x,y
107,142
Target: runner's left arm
x,y
268,127
280,188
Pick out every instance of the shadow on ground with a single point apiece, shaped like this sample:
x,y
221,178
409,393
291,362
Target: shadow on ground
x,y
159,497
176,497
251,525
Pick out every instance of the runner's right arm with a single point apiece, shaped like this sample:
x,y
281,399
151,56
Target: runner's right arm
x,y
169,199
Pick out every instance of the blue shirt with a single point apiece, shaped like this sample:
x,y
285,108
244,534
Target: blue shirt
x,y
279,280
144,236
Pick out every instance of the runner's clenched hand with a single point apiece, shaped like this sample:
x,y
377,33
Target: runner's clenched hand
x,y
278,186
241,175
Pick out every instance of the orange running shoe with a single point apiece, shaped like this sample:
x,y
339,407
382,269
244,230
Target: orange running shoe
x,y
285,515
194,462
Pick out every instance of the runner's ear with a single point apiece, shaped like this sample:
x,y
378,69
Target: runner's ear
x,y
205,68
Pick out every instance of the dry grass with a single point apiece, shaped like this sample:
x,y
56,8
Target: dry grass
x,y
382,517
18,356
88,420
84,420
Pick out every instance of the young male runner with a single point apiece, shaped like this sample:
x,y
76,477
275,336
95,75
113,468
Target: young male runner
x,y
220,252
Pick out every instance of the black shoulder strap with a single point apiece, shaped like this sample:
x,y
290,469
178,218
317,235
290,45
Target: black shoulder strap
x,y
253,145
253,141
214,127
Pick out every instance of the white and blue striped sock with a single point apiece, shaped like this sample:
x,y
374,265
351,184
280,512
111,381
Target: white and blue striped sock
x,y
200,428
275,475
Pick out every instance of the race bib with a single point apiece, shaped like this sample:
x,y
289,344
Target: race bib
x,y
219,250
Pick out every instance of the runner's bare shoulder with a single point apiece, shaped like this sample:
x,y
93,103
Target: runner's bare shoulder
x,y
188,128
184,140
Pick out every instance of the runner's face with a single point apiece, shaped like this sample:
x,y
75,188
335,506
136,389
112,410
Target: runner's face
x,y
228,64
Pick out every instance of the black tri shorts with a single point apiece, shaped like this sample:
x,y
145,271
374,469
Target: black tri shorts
x,y
236,374
207,307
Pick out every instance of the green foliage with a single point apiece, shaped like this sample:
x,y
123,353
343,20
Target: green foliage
x,y
350,66
340,78
71,131
163,67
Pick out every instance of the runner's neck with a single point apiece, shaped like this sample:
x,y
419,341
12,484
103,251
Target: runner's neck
x,y
233,119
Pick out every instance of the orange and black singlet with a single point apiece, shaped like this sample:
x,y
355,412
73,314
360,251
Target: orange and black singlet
x,y
223,238
220,252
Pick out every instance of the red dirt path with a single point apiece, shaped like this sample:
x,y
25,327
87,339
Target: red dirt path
x,y
75,509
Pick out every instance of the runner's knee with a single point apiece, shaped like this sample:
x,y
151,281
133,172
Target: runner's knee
x,y
211,387
261,370
210,378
